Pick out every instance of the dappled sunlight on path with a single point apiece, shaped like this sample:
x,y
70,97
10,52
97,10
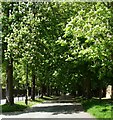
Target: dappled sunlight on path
x,y
53,109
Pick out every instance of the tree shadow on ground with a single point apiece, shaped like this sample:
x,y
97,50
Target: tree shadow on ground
x,y
12,108
54,109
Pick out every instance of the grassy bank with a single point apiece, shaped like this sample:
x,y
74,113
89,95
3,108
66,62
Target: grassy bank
x,y
19,106
103,109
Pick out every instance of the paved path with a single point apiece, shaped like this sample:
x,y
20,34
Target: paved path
x,y
53,109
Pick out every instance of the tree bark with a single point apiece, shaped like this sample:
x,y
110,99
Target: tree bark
x,y
26,97
33,86
88,89
48,91
9,86
43,90
100,91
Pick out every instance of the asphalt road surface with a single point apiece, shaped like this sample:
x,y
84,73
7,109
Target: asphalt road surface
x,y
61,108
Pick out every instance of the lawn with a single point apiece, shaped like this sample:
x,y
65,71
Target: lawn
x,y
103,109
19,106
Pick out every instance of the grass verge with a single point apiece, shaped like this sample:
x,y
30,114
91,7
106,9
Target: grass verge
x,y
103,109
19,106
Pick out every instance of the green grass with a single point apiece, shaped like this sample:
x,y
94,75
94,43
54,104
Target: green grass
x,y
103,109
19,106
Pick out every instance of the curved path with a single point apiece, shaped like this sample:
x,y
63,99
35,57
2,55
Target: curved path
x,y
62,108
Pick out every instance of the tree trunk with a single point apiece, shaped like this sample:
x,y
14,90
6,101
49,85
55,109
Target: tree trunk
x,y
33,86
112,93
88,89
100,89
51,90
48,91
83,88
42,91
26,97
100,93
9,86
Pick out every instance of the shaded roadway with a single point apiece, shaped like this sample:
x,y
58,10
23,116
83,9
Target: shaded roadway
x,y
64,107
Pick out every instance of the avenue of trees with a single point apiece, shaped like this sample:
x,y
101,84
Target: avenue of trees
x,y
57,47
